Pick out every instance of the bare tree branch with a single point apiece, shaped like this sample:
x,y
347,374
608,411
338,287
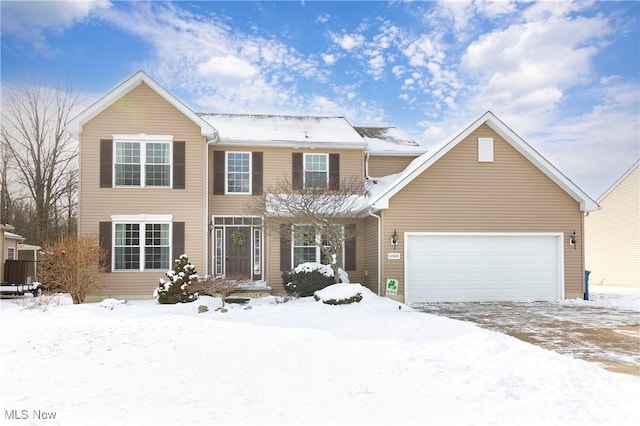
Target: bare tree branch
x,y
320,212
40,151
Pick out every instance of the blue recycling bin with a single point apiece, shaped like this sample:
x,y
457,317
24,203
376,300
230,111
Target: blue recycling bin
x,y
586,284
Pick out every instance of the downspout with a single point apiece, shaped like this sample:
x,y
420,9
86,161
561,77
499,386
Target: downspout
x,y
379,247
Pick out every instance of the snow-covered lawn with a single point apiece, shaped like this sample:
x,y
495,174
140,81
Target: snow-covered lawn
x,y
295,363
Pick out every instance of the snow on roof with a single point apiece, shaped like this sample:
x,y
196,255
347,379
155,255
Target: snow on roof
x,y
285,130
13,236
389,141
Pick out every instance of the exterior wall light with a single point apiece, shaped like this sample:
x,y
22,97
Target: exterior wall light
x,y
573,239
394,238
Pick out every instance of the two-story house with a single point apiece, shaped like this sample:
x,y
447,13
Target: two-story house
x,y
482,217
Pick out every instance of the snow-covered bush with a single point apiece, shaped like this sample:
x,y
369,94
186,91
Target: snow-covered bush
x,y
176,290
339,294
307,278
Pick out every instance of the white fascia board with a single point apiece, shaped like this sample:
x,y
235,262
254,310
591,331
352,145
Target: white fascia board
x,y
422,163
292,144
619,181
405,153
74,126
587,204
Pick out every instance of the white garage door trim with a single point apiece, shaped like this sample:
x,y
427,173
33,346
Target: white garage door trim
x,y
554,291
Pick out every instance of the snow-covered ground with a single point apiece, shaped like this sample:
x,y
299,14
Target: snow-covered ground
x,y
296,363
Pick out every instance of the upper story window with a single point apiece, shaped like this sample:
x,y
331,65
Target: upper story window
x,y
142,160
238,173
316,171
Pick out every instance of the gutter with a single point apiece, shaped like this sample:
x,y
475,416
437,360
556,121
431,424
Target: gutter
x,y
379,247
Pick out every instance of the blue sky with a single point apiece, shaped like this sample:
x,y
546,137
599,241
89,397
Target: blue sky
x,y
563,75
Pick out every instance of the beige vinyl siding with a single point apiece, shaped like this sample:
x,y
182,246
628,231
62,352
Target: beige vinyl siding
x,y
460,194
380,166
143,111
276,168
613,236
371,254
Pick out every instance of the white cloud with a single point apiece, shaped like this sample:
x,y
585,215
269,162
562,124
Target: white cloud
x,y
329,59
28,21
348,41
228,66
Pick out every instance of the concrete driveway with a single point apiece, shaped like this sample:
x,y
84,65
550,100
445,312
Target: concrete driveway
x,y
608,336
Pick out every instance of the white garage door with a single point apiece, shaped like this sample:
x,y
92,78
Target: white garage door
x,y
483,267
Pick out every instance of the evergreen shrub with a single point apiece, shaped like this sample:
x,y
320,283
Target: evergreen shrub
x,y
176,290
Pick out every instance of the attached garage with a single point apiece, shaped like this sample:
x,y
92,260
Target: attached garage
x,y
477,267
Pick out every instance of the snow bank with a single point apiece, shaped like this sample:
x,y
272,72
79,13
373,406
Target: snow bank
x,y
294,363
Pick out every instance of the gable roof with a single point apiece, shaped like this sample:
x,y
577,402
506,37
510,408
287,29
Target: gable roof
x,y
620,180
74,126
389,141
420,164
285,130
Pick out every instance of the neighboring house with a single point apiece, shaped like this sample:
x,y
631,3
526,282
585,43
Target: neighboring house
x,y
612,247
8,246
483,217
23,256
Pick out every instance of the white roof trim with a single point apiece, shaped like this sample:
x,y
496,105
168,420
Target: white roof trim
x,y
74,126
381,201
13,236
293,144
620,180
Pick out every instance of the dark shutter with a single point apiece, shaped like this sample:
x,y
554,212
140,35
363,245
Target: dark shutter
x,y
334,172
296,170
105,244
285,247
177,241
350,247
218,172
256,173
179,166
106,165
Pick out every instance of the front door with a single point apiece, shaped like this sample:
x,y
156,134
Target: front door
x,y
238,251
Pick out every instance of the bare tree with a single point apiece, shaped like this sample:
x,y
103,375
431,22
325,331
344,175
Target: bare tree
x,y
40,151
319,213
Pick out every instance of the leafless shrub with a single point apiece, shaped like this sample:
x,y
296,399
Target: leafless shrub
x,y
222,286
72,265
41,303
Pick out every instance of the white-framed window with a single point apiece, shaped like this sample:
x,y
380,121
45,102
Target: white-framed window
x,y
11,253
305,248
238,174
316,171
257,251
219,251
142,160
142,243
